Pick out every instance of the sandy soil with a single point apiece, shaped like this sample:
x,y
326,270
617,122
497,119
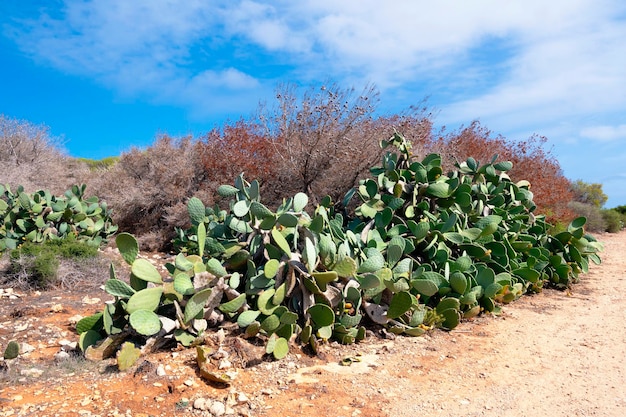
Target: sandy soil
x,y
551,354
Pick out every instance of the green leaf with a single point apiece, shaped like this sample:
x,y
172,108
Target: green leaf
x,y
146,299
227,190
144,270
280,241
196,210
247,317
128,247
321,314
196,303
400,304
300,200
145,322
233,305
118,288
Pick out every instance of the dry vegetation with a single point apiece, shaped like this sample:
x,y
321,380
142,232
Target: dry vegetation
x,y
320,141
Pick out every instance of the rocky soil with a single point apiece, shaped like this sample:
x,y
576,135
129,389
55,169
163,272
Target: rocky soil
x,y
554,353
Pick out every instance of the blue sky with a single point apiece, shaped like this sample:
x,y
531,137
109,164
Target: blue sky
x,y
109,75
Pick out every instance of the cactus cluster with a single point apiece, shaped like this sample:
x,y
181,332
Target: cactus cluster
x,y
422,250
42,216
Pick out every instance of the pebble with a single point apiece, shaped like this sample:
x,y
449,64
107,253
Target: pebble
x,y
217,409
26,348
200,404
62,355
32,372
56,308
160,371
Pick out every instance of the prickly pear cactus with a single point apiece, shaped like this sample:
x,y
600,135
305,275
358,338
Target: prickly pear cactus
x,y
424,249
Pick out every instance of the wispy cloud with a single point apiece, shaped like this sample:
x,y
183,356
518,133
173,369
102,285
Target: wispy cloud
x,y
605,133
549,61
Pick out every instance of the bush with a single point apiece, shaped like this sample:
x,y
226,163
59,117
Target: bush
x,y
148,189
595,220
35,265
32,158
613,219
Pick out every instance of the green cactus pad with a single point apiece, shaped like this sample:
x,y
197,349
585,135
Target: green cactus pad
x,y
321,314
233,305
12,350
145,322
215,267
127,356
400,304
93,322
196,303
247,317
118,288
88,338
144,270
227,190
146,299
128,247
196,210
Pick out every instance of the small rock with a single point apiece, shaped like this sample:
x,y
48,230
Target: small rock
x,y
224,364
160,371
26,348
87,300
61,356
242,398
69,347
217,409
200,404
74,319
56,308
189,383
21,327
32,372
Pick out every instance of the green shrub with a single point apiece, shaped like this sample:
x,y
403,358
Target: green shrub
x,y
613,219
35,265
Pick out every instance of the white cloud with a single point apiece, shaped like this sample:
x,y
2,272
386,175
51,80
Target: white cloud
x,y
554,61
605,133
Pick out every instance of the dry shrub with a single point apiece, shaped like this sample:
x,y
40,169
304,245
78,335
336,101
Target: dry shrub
x,y
148,189
30,157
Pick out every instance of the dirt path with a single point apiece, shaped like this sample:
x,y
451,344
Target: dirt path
x,y
552,354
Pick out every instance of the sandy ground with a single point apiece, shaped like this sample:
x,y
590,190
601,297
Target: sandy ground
x,y
551,354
